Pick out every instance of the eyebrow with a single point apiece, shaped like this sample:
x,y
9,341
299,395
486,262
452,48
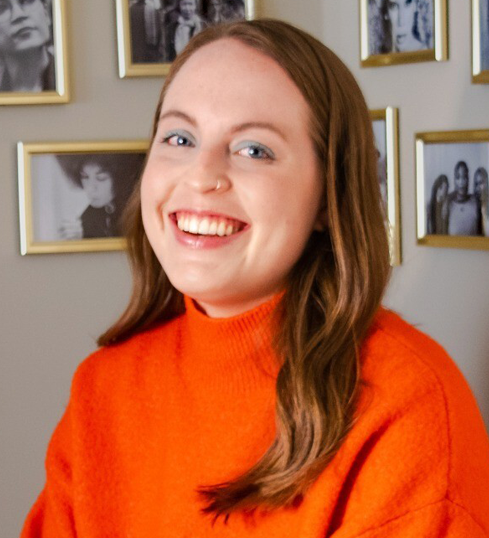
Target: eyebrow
x,y
235,129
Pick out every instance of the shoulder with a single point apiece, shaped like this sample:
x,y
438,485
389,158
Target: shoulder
x,y
422,418
120,365
405,363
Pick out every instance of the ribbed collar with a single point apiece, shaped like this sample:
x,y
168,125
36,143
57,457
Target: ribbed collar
x,y
233,353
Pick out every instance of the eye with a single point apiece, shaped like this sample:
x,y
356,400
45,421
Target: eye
x,y
254,150
178,139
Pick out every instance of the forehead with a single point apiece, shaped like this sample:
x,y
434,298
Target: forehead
x,y
461,169
227,75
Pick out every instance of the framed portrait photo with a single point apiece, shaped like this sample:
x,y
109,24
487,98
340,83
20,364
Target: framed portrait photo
x,y
480,41
33,52
403,31
452,189
72,195
386,129
150,33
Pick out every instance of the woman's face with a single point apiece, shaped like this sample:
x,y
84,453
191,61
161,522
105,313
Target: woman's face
x,y
188,8
97,184
231,119
442,192
401,15
480,185
24,25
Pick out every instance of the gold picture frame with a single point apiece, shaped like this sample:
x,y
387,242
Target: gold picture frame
x,y
57,211
56,74
480,41
376,39
385,124
152,68
452,189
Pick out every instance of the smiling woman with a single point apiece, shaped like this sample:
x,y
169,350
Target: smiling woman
x,y
254,386
26,61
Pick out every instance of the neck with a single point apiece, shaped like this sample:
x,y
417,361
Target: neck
x,y
461,197
235,353
26,68
232,307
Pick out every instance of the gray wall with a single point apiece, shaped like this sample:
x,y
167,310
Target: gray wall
x,y
53,306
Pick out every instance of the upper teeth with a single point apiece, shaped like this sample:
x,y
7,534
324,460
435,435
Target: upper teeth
x,y
206,225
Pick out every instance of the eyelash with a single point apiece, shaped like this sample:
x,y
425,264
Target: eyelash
x,y
253,146
169,136
267,154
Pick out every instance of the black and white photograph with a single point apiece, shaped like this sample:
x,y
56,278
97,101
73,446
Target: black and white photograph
x,y
385,128
32,53
381,147
160,29
453,190
75,197
400,31
480,44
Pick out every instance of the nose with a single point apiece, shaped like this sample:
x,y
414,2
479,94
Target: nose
x,y
17,10
90,184
209,172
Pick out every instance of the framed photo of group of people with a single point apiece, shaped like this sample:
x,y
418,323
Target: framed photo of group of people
x,y
386,134
453,189
152,32
72,195
33,52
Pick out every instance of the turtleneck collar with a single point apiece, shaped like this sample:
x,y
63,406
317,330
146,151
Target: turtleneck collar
x,y
233,353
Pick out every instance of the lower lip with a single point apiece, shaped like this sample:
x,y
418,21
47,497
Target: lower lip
x,y
203,241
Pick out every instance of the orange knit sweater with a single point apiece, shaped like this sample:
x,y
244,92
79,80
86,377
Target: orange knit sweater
x,y
191,403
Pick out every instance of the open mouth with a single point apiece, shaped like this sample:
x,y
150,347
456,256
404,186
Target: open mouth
x,y
207,225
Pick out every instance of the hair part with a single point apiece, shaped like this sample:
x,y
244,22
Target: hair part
x,y
333,291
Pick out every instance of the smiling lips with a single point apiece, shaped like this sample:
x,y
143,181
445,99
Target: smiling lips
x,y
207,224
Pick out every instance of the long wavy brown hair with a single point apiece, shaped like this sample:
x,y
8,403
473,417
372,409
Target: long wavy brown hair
x,y
332,294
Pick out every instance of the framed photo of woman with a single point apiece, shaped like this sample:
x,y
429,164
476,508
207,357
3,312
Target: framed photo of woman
x,y
72,195
403,31
150,33
452,189
33,52
386,128
480,41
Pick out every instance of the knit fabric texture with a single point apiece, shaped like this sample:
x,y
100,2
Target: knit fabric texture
x,y
192,403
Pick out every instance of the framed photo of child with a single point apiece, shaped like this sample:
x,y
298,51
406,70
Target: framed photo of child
x,y
73,194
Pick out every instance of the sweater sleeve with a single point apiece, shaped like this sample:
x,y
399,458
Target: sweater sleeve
x,y
443,519
52,514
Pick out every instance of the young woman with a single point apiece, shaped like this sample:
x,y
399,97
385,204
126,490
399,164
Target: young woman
x,y
481,191
254,387
403,18
26,62
107,181
438,207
